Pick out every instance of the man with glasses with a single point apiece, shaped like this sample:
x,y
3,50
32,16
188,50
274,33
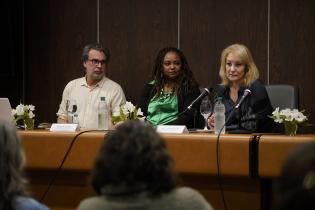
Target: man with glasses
x,y
85,92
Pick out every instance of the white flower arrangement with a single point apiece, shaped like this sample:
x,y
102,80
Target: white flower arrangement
x,y
291,115
127,111
25,113
290,118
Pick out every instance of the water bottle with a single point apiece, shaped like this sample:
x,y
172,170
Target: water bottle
x,y
71,112
75,119
102,114
219,116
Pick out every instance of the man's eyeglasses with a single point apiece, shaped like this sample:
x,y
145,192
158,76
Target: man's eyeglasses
x,y
96,62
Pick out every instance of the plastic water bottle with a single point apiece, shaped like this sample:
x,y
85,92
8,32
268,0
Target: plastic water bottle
x,y
75,119
71,112
102,114
219,116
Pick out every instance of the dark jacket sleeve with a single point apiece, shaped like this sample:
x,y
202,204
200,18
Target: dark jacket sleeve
x,y
191,118
253,114
262,107
145,98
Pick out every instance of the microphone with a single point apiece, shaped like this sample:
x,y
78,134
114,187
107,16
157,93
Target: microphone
x,y
245,94
203,94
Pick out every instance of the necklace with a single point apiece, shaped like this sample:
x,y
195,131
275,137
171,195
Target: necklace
x,y
164,94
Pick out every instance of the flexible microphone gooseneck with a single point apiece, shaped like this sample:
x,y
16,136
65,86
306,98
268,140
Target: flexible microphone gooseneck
x,y
245,94
204,93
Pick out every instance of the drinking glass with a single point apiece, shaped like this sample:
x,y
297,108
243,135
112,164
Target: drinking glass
x,y
205,110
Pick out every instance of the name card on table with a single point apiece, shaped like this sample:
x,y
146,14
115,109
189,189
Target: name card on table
x,y
172,129
69,127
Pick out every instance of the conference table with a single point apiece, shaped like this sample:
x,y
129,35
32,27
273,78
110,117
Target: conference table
x,y
58,165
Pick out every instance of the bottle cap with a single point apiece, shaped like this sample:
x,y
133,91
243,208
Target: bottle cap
x,y
74,108
218,99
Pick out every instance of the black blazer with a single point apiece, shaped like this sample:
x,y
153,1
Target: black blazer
x,y
253,114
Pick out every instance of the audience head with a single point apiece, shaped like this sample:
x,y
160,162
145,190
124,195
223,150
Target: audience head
x,y
11,165
172,66
239,55
295,189
95,58
133,159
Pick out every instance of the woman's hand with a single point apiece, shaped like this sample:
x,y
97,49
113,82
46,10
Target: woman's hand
x,y
211,121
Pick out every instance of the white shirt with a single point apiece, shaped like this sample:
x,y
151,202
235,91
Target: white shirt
x,y
87,100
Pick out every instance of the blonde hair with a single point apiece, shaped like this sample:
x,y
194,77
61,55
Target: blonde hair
x,y
251,71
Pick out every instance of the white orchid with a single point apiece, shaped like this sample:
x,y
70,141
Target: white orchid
x,y
129,106
139,112
288,115
31,115
125,112
25,113
31,107
20,109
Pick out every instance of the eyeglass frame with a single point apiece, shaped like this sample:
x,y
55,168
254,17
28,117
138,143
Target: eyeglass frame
x,y
96,62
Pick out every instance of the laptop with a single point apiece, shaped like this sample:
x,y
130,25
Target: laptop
x,y
5,110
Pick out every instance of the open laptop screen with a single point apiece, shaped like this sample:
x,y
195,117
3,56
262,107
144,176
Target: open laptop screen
x,y
5,109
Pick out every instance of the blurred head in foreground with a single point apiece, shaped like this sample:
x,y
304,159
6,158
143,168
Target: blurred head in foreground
x,y
11,165
133,159
296,186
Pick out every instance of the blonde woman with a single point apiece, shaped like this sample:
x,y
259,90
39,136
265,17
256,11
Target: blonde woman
x,y
239,72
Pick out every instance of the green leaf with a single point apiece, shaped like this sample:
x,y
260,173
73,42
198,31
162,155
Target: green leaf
x,y
116,119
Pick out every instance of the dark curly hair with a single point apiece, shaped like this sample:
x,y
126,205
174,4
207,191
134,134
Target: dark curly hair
x,y
185,81
134,158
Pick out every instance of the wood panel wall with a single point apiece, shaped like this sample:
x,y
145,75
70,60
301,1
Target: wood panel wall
x,y
280,35
12,69
292,48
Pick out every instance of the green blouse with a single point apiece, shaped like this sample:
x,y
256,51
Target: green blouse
x,y
163,109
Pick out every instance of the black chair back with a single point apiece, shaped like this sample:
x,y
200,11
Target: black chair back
x,y
283,96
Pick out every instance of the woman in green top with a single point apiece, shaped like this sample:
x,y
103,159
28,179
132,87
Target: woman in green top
x,y
171,90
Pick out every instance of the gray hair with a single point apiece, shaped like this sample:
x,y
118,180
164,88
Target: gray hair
x,y
97,47
11,165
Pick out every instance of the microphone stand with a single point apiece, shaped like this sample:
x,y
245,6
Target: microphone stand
x,y
194,114
218,145
218,156
179,114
